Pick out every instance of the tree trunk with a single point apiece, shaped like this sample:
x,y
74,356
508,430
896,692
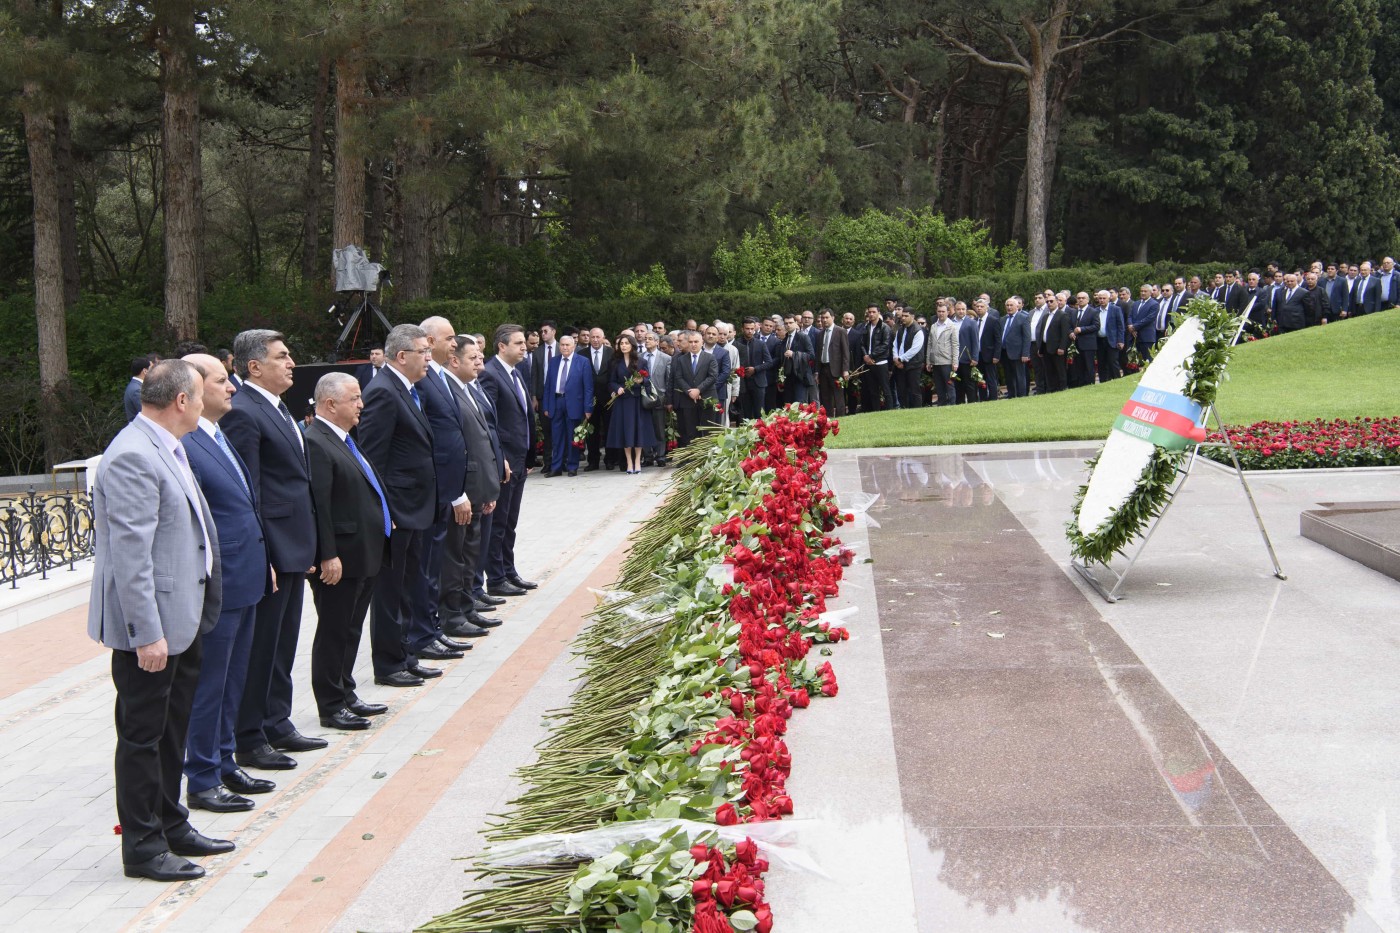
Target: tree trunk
x,y
1037,188
414,272
374,229
349,223
179,127
67,206
1018,214
311,269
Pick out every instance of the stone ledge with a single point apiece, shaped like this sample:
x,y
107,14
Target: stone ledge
x,y
1366,532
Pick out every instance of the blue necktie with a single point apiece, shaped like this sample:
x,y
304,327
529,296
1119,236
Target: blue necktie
x,y
413,394
369,475
223,446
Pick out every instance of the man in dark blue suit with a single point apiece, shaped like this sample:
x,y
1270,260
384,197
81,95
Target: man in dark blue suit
x,y
968,352
216,782
131,398
450,464
795,363
504,385
261,429
396,439
754,355
1142,324
1113,335
989,331
1014,348
1086,341
567,403
1366,293
352,527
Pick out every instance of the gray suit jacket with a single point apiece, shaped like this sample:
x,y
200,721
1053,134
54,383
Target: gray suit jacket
x,y
659,373
148,580
483,469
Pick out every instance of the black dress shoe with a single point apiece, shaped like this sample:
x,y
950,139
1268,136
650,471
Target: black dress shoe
x,y
418,670
165,867
216,799
484,621
550,474
488,599
399,679
465,629
344,719
523,584
506,589
294,741
361,708
589,469
265,758
194,843
445,642
436,652
573,472
241,782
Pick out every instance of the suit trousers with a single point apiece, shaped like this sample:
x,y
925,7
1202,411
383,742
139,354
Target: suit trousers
x,y
565,453
546,439
658,431
990,390
460,558
399,592
417,634
476,574
1144,351
1016,379
1082,373
906,384
597,441
1056,375
152,716
687,423
943,383
875,388
831,396
1042,375
340,620
214,715
500,553
1108,362
964,388
770,393
264,714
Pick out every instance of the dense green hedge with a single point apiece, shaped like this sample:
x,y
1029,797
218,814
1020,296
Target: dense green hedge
x,y
616,313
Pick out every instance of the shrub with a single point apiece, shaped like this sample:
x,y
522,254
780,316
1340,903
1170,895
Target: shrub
x,y
768,256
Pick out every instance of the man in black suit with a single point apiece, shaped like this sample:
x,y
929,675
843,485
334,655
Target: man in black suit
x,y
833,355
1290,310
461,616
540,358
504,385
795,360
871,346
131,398
1366,293
758,365
450,465
600,357
394,436
766,333
261,428
352,527
693,373
1055,334
1318,308
988,337
1086,341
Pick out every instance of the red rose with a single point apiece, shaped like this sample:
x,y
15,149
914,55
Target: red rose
x,y
727,815
765,919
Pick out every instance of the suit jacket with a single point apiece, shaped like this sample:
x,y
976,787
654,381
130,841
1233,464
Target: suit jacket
x,y
1366,295
838,352
148,580
685,378
449,437
1316,307
349,516
1338,295
131,398
243,563
1015,337
993,327
943,344
577,399
512,424
722,370
1232,297
874,342
1290,310
968,347
760,357
397,440
1390,288
1143,317
600,374
484,464
797,367
660,370
540,358
1087,320
1115,329
1056,332
271,449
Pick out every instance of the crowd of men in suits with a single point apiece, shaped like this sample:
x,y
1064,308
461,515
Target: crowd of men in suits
x,y
213,510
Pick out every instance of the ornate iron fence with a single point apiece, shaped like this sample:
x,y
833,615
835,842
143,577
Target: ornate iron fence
x,y
42,532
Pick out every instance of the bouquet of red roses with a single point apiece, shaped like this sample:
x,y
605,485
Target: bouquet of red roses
x,y
632,382
581,434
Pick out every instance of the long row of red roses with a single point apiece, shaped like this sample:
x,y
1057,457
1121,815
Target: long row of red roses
x,y
1285,445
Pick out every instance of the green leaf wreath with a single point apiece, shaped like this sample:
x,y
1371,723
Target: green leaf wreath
x,y
1204,372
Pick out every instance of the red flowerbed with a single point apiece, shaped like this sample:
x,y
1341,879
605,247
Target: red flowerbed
x,y
1295,445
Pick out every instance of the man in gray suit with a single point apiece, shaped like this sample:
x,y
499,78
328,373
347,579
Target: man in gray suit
x,y
155,590
658,365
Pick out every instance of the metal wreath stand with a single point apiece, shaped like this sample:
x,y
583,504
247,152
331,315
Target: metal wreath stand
x,y
1113,594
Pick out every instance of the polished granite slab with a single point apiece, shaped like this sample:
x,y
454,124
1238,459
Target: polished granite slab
x,y
1366,532
1049,781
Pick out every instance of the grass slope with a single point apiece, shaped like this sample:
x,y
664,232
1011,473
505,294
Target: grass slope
x,y
1348,369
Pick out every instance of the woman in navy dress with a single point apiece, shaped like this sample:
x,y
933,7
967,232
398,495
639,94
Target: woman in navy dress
x,y
629,425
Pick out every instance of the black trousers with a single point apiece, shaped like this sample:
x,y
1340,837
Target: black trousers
x,y
1055,372
687,422
392,605
434,541
906,382
964,389
264,714
547,455
831,396
1042,376
500,551
875,388
152,718
340,619
989,376
454,583
1108,362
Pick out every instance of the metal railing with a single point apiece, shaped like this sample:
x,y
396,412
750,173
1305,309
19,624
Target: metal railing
x,y
42,532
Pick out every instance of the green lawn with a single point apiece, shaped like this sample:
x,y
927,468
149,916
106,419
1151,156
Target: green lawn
x,y
1348,369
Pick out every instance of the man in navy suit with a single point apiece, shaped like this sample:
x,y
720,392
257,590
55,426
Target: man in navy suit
x,y
352,527
450,464
131,398
1366,293
261,429
504,385
969,350
567,403
989,331
1113,335
1086,340
693,373
754,355
1014,347
216,782
795,363
1142,323
396,439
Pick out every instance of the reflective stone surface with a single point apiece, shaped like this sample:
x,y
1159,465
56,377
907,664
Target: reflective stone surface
x,y
1048,779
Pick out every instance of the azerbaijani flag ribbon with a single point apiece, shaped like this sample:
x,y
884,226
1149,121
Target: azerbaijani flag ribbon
x,y
1166,419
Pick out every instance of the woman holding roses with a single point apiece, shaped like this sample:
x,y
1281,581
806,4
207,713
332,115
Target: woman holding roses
x,y
629,425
